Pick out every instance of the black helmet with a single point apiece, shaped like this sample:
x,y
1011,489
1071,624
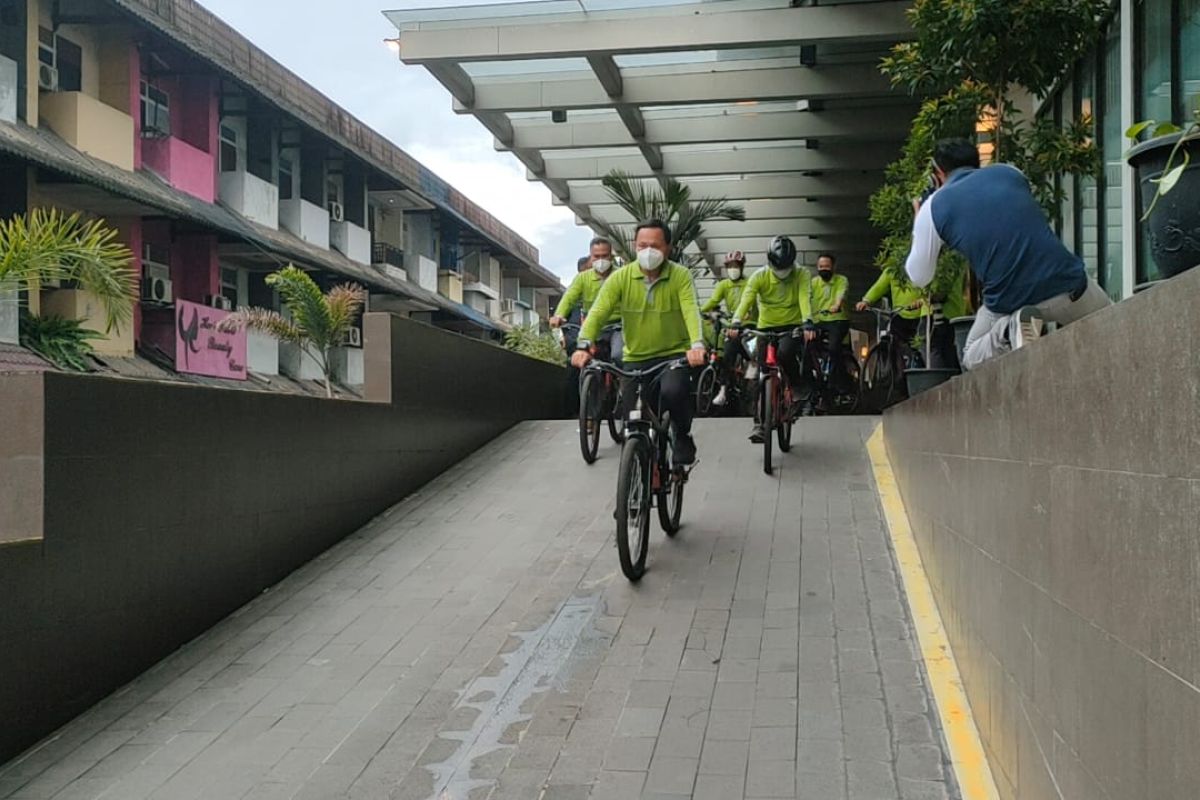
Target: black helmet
x,y
782,253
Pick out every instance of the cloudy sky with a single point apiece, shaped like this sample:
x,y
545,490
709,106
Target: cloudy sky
x,y
338,47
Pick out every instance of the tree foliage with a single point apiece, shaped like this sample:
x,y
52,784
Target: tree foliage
x,y
529,340
317,322
673,204
47,246
970,60
65,343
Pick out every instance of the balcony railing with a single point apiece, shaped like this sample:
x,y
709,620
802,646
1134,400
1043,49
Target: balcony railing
x,y
384,253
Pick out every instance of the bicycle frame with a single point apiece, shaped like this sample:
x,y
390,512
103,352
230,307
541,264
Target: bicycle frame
x,y
643,421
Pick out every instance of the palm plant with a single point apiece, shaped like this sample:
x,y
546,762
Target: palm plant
x,y
65,343
318,321
47,246
673,204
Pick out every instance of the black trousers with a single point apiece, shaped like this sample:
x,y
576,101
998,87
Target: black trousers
x,y
835,339
734,349
670,391
790,349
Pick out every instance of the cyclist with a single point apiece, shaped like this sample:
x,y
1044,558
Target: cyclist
x,y
831,314
729,291
784,300
907,301
656,302
585,289
991,217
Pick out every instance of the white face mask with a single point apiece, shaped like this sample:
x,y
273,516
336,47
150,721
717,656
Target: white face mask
x,y
650,259
601,265
783,274
735,273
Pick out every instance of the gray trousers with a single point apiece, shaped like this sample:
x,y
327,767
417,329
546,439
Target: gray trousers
x,y
989,336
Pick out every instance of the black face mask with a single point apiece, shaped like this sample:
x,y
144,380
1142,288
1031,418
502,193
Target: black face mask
x,y
826,275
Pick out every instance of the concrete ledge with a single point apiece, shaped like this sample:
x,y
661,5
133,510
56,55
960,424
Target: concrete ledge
x,y
1054,495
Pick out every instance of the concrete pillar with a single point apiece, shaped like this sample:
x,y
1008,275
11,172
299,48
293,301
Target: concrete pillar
x,y
10,313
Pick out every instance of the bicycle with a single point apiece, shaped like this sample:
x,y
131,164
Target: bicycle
x,y
882,376
830,399
599,401
775,396
646,477
711,377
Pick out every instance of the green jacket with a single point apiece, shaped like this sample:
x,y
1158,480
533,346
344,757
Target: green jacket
x,y
955,304
731,293
660,319
583,293
780,303
827,295
902,296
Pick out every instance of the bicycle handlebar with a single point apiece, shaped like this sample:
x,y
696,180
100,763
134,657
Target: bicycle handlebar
x,y
772,334
636,374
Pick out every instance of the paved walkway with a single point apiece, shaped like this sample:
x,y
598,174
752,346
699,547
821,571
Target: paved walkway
x,y
479,642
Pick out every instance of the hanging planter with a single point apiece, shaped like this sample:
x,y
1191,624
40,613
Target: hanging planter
x,y
1168,177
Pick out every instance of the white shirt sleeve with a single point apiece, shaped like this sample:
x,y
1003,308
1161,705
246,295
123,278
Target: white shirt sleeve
x,y
926,246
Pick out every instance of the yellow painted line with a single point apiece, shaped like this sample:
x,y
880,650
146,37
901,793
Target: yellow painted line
x,y
971,767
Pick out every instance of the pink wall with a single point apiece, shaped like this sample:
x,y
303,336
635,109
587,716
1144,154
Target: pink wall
x,y
195,271
186,159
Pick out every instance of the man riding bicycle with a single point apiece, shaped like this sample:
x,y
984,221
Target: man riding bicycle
x,y
583,293
656,302
783,297
910,311
729,291
831,315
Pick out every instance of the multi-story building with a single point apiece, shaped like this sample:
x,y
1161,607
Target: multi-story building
x,y
217,165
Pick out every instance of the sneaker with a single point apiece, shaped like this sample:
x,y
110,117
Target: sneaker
x,y
685,451
1026,326
756,435
719,400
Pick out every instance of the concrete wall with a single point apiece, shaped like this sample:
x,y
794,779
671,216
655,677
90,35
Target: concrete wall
x,y
166,507
1055,495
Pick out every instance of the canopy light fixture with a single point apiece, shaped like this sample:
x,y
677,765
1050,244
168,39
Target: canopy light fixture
x,y
558,115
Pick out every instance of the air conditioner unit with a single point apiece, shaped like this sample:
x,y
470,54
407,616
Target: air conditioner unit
x,y
47,78
156,283
336,212
219,301
508,306
353,338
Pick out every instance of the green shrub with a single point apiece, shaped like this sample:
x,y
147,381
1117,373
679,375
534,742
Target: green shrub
x,y
63,342
529,340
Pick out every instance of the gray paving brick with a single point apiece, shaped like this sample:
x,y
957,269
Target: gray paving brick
x,y
766,654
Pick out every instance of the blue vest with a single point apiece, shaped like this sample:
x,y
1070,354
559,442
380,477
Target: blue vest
x,y
990,216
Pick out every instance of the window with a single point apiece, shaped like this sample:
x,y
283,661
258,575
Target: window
x,y
63,57
230,149
286,178
229,286
1189,54
1112,148
1086,189
156,112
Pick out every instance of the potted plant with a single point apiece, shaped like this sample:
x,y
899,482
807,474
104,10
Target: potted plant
x,y
319,321
1168,175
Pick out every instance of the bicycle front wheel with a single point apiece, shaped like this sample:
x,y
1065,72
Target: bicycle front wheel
x,y
766,410
783,427
847,401
615,414
589,417
633,507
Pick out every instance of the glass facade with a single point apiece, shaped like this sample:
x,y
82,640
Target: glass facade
x,y
1189,53
1087,189
1112,150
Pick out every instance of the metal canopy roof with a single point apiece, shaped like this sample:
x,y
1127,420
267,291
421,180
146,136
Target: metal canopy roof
x,y
779,108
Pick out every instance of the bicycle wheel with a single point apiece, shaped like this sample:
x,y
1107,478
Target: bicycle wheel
x,y
896,388
633,507
670,495
847,401
589,417
877,378
615,414
766,411
705,387
783,428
